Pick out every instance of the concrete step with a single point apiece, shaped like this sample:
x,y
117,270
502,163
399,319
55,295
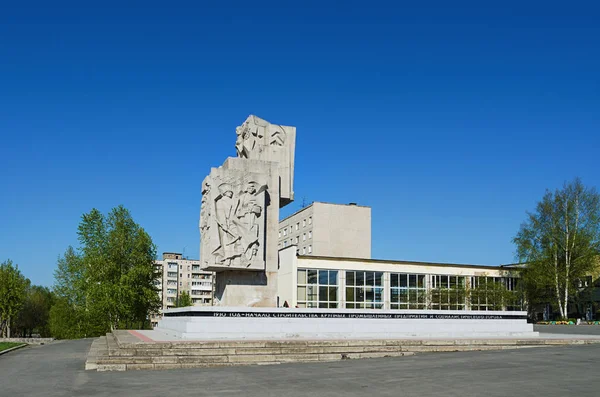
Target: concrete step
x,y
130,363
121,350
98,350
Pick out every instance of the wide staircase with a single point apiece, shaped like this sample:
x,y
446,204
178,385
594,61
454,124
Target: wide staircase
x,y
122,350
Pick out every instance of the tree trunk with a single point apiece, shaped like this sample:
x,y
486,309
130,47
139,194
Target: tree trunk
x,y
8,328
556,285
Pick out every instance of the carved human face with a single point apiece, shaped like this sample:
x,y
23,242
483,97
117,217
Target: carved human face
x,y
251,188
228,193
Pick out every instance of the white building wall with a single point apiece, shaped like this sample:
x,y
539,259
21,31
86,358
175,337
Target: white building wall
x,y
325,229
287,286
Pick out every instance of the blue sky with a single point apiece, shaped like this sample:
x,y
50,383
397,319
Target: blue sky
x,y
449,119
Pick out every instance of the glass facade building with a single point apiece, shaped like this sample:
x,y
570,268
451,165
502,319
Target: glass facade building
x,y
389,287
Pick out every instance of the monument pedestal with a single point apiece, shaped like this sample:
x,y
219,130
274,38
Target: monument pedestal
x,y
243,288
245,323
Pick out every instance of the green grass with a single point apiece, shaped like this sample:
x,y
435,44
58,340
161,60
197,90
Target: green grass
x,y
8,345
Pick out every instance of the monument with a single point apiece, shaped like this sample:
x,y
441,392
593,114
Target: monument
x,y
239,213
239,227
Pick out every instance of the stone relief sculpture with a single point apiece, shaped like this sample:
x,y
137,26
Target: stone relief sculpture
x,y
232,220
248,212
255,133
257,139
240,203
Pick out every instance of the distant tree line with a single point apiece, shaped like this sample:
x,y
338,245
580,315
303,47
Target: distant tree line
x,y
24,308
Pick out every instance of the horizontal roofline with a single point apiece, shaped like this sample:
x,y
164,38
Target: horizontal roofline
x,y
323,202
399,262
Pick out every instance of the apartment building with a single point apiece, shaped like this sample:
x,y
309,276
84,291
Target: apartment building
x,y
177,275
326,229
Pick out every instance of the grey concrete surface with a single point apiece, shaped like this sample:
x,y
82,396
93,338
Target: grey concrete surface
x,y
57,370
567,329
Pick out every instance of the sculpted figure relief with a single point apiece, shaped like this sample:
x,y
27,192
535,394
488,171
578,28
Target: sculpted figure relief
x,y
241,199
228,235
236,211
247,212
205,210
254,134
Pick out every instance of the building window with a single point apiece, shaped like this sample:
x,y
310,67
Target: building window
x,y
180,267
304,237
448,292
407,291
310,234
514,296
296,240
181,284
364,290
310,220
303,250
180,275
297,225
303,222
280,234
285,243
495,293
285,231
310,249
318,288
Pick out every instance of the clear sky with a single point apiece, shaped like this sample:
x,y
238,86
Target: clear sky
x,y
449,119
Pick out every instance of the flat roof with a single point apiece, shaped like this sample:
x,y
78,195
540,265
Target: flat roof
x,y
323,202
401,262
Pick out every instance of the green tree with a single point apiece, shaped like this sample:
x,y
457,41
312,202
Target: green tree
x,y
13,287
184,300
108,283
34,315
559,243
70,316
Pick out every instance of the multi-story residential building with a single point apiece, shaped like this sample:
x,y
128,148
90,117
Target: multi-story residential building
x,y
325,229
178,275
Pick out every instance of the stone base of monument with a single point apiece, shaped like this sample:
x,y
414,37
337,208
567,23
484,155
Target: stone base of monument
x,y
244,323
135,350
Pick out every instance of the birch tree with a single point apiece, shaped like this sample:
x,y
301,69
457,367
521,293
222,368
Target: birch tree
x,y
107,283
13,288
560,243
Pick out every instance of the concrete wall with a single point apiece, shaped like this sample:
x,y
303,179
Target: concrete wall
x,y
287,276
279,323
325,229
341,230
29,341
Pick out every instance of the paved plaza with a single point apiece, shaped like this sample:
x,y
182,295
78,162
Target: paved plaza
x,y
57,370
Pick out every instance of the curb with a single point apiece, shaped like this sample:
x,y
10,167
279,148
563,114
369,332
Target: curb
x,y
12,348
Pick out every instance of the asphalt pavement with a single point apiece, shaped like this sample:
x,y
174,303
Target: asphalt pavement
x,y
57,370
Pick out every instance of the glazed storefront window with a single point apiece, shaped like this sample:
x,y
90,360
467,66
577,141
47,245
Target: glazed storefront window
x,y
318,288
364,290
